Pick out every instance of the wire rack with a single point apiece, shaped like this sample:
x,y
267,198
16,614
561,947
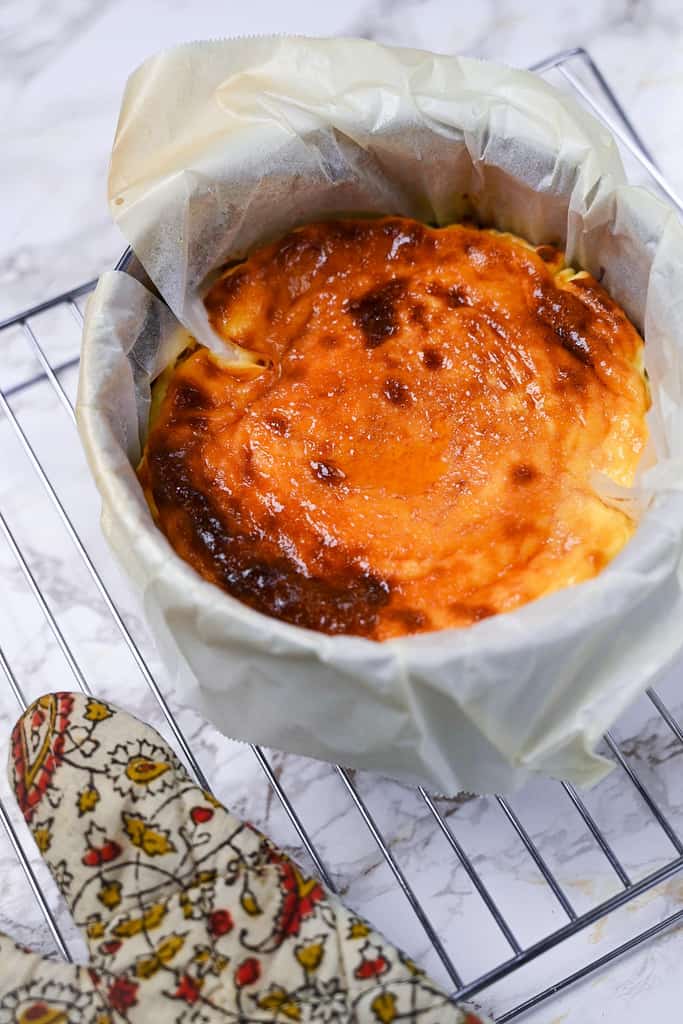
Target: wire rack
x,y
577,72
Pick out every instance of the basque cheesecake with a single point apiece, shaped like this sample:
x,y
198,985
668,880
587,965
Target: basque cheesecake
x,y
413,439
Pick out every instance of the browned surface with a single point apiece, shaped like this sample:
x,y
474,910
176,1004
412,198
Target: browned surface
x,y
418,450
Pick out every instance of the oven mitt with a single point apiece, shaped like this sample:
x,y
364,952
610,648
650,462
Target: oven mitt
x,y
190,915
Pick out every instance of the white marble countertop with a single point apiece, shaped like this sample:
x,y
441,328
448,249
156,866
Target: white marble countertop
x,y
62,68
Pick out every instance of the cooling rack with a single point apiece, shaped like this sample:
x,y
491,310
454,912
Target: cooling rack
x,y
575,71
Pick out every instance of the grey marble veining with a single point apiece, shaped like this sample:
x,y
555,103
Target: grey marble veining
x,y
62,68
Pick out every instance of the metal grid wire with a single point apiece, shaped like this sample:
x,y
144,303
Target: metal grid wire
x,y
577,69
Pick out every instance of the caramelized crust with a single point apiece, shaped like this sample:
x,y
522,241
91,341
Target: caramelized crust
x,y
413,446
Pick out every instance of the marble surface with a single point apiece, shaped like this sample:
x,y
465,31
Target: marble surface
x,y
63,64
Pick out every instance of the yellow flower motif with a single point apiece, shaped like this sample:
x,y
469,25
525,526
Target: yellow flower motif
x,y
169,947
152,918
97,711
154,915
43,837
304,884
358,929
147,966
278,1001
204,877
110,894
249,904
143,771
211,799
95,927
209,962
103,1018
310,956
127,929
384,1007
87,800
153,842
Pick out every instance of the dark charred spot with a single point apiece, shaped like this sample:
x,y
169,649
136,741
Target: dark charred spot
x,y
548,253
346,599
397,392
232,285
523,473
432,358
568,318
296,246
375,313
197,423
348,230
571,378
417,314
411,618
327,472
457,296
576,343
189,396
454,295
472,612
248,474
278,423
223,294
211,370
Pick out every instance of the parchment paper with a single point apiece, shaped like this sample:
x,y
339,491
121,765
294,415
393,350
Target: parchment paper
x,y
224,145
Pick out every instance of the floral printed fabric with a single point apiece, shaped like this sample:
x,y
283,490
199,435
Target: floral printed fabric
x,y
190,915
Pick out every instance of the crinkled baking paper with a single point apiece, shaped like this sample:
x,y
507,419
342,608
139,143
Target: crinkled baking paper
x,y
224,145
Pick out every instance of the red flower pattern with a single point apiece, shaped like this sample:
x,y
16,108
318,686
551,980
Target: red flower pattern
x,y
188,989
220,922
123,994
33,770
200,815
38,1011
371,968
95,856
111,947
248,972
300,895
